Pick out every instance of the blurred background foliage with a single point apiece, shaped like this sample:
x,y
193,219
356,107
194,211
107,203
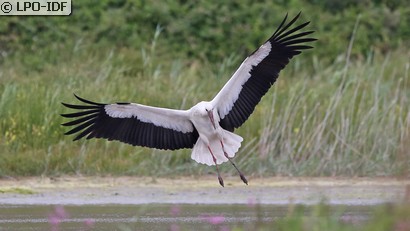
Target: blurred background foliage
x,y
209,29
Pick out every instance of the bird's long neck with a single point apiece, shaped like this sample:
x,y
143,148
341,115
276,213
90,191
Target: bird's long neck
x,y
211,117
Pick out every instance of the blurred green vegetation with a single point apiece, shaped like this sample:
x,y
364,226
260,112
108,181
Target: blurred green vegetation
x,y
210,30
322,216
334,110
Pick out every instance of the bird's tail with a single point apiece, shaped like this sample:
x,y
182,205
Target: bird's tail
x,y
201,154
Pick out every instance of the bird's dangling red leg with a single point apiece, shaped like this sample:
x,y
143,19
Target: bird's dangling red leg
x,y
221,182
243,178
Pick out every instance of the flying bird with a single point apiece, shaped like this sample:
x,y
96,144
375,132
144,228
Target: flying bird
x,y
208,126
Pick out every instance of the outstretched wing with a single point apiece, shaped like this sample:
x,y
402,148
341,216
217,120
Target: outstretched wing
x,y
240,95
131,123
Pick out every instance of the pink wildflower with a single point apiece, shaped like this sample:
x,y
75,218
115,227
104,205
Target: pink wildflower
x,y
57,216
175,210
174,227
214,220
89,223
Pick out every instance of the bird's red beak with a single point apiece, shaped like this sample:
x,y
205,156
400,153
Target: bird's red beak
x,y
211,117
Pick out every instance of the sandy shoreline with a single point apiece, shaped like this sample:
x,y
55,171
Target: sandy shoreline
x,y
202,190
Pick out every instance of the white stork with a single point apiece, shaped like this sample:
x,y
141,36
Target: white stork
x,y
208,126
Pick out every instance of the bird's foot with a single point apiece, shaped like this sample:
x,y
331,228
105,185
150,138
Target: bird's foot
x,y
221,181
243,178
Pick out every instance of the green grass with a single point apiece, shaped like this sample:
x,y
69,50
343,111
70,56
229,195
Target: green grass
x,y
386,217
225,217
338,115
321,217
22,191
331,120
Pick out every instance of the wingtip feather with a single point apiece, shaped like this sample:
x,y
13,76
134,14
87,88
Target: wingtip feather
x,y
87,101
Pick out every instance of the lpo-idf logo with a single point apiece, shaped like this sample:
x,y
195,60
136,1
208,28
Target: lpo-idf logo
x,y
35,7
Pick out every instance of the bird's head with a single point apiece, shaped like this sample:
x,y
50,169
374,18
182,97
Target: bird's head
x,y
204,109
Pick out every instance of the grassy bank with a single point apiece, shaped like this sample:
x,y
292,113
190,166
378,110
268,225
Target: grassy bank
x,y
343,114
335,120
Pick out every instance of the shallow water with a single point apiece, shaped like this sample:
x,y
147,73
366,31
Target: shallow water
x,y
153,216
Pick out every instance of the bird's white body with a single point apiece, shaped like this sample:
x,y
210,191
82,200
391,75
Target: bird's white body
x,y
211,134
